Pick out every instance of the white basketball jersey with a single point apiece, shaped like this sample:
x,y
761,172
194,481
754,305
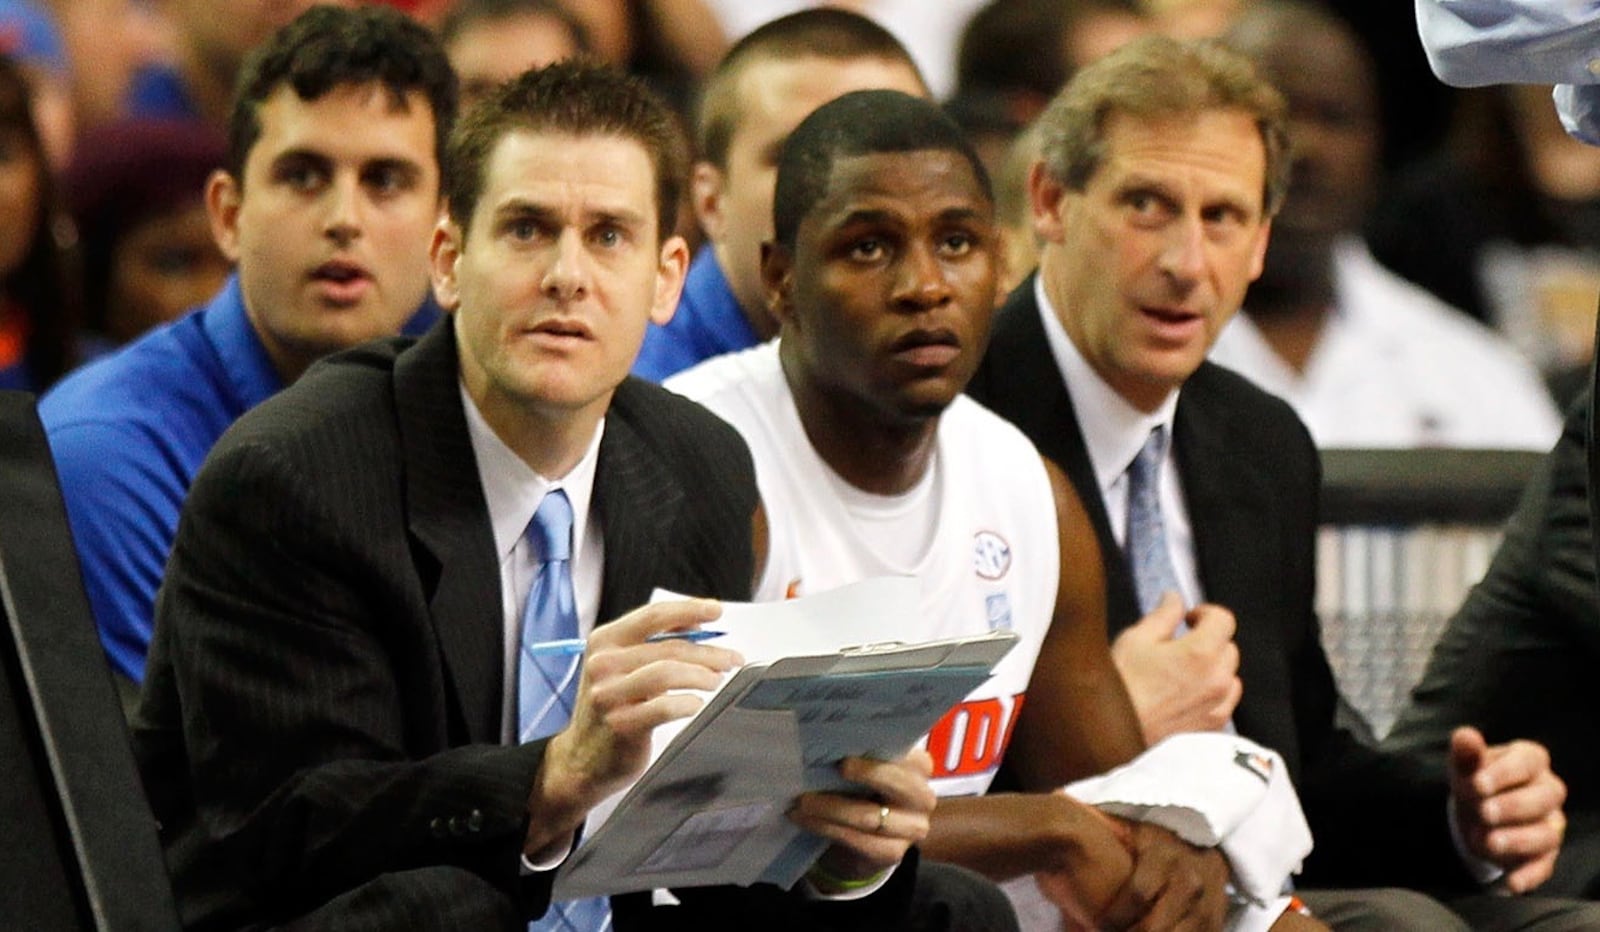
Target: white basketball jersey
x,y
990,557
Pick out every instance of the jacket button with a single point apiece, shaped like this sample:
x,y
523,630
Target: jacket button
x,y
436,826
475,820
457,826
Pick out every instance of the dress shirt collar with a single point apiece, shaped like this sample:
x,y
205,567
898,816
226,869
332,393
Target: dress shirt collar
x,y
513,490
245,362
1113,430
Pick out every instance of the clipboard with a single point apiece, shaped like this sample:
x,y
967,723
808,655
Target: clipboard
x,y
712,808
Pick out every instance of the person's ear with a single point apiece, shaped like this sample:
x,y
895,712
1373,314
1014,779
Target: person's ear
x,y
224,197
777,279
444,261
1258,261
706,185
1048,198
670,273
1003,259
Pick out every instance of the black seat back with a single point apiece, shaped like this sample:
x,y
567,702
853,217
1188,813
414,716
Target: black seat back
x,y
79,850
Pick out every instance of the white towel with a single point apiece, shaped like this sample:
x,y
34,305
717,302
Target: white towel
x,y
1037,914
1212,790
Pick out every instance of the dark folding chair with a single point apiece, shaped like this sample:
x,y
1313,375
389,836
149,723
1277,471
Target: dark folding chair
x,y
79,850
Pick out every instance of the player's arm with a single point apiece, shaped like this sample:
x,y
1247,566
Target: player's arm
x,y
1050,835
758,544
1078,720
1010,835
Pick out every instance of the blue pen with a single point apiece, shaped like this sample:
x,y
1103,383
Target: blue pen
x,y
697,635
566,647
569,647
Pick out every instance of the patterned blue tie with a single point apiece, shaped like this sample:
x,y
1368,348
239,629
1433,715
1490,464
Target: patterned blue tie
x,y
547,686
1146,545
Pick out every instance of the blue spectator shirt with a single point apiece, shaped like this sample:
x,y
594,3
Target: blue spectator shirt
x,y
16,377
708,322
129,431
1477,42
160,91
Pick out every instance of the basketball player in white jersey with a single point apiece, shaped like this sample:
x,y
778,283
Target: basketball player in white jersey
x,y
870,461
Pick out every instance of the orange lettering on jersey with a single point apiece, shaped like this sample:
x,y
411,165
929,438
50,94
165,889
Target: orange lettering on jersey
x,y
1016,712
971,737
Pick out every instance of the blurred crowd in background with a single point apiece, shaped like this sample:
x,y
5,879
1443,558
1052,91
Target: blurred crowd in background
x,y
113,112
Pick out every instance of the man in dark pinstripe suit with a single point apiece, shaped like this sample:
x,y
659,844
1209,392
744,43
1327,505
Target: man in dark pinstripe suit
x,y
323,729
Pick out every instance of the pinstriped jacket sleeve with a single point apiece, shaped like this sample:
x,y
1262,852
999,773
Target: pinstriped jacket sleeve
x,y
301,731
321,711
316,758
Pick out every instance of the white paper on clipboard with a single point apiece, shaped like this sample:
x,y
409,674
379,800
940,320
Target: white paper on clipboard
x,y
710,808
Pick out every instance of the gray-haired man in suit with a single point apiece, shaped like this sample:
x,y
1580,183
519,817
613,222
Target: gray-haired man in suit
x,y
1162,167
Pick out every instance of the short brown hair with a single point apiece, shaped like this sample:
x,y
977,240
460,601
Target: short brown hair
x,y
581,98
329,47
822,32
465,14
1156,76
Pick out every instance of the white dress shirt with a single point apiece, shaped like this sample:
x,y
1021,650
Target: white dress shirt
x,y
1394,367
513,492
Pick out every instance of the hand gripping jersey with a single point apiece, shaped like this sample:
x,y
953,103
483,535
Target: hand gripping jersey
x,y
979,532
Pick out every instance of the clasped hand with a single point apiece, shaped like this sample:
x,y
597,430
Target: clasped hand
x,y
1117,874
1180,683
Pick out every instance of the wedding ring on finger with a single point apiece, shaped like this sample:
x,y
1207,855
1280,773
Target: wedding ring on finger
x,y
883,819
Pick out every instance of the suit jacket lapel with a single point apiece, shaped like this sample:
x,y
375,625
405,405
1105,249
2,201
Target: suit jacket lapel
x,y
636,502
449,520
1232,517
1231,507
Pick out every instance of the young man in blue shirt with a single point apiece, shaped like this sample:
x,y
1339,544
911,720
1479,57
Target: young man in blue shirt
x,y
761,90
327,207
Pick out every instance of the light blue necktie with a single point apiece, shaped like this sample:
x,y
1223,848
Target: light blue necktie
x,y
547,686
1146,545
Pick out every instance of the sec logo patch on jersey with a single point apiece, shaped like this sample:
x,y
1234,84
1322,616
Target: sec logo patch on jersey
x,y
998,609
991,555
